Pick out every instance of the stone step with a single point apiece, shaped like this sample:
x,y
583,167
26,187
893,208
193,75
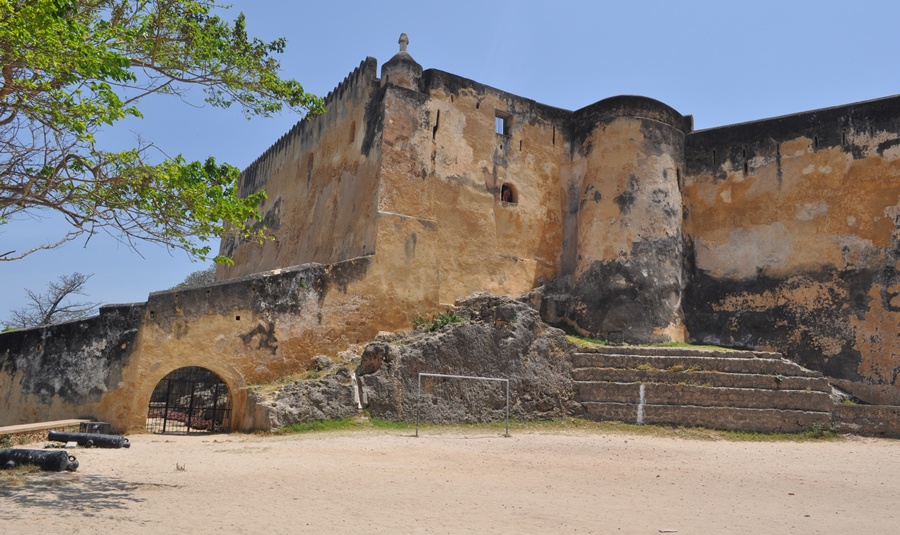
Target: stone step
x,y
752,365
679,394
703,378
737,419
665,351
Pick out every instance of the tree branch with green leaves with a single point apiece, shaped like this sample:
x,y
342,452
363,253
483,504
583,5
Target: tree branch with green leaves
x,y
69,68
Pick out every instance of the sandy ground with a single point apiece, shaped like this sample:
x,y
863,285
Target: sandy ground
x,y
451,482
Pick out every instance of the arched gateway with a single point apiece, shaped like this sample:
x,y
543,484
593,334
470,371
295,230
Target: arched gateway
x,y
190,400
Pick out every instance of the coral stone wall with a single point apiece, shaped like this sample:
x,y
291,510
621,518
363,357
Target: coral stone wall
x,y
444,163
247,331
793,227
66,370
321,182
628,269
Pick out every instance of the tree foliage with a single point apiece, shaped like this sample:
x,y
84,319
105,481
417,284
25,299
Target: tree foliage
x,y
201,277
71,67
54,305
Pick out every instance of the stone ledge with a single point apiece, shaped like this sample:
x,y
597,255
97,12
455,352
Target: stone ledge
x,y
734,419
668,394
708,378
664,351
868,420
40,426
722,364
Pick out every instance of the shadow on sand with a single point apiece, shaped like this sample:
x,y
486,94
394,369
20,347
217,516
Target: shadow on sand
x,y
66,494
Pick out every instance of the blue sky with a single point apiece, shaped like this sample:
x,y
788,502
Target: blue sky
x,y
722,62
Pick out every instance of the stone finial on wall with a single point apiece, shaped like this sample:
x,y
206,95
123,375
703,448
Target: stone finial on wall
x,y
402,70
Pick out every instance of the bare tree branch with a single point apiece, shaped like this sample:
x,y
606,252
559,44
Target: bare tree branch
x,y
52,306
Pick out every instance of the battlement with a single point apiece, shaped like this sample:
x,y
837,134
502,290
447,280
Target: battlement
x,y
253,177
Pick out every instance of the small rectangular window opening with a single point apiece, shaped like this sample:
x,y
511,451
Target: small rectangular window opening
x,y
500,125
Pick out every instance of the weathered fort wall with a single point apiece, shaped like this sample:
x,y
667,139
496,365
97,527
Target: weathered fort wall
x,y
247,331
321,183
793,233
419,188
66,370
627,277
445,162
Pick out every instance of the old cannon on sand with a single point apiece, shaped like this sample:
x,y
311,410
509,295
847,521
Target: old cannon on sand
x,y
90,440
53,461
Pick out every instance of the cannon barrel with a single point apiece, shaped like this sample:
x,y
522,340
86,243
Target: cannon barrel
x,y
90,440
52,461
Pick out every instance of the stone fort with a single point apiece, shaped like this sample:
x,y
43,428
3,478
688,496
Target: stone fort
x,y
420,187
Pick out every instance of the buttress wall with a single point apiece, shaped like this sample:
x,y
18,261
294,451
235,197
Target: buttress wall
x,y
492,197
321,183
793,237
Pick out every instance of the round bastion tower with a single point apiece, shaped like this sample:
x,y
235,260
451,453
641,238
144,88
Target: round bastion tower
x,y
627,282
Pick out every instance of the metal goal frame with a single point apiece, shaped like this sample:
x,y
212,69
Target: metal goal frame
x,y
498,379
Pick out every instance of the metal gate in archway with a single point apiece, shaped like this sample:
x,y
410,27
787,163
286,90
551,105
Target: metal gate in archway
x,y
190,400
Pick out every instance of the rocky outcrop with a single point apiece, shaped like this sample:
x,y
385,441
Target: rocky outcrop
x,y
329,397
494,337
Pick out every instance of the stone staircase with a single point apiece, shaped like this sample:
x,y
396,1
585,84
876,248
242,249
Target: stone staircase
x,y
738,390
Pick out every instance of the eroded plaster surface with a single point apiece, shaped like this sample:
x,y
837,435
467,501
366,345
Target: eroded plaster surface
x,y
420,187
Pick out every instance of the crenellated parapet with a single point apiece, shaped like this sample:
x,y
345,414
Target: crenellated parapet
x,y
307,129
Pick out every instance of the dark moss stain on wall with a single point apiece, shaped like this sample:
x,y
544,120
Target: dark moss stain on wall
x,y
633,296
374,122
626,199
264,336
76,361
797,332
